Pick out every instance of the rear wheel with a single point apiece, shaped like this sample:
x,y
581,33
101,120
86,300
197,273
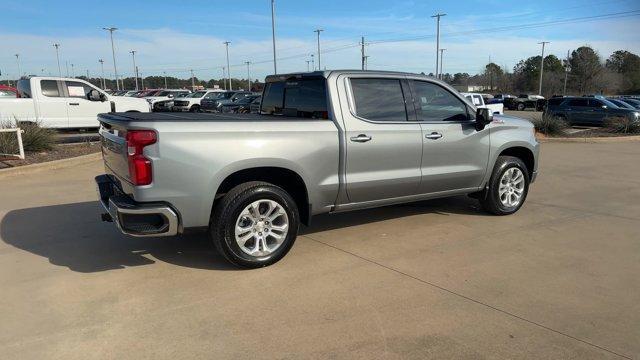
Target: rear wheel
x,y
520,107
195,108
255,224
507,188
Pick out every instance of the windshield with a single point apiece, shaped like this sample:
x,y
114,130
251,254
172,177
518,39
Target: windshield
x,y
197,94
621,104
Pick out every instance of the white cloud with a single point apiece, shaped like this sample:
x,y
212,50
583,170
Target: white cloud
x,y
166,49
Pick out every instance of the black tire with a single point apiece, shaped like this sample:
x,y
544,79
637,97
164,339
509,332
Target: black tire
x,y
225,215
490,199
520,107
195,108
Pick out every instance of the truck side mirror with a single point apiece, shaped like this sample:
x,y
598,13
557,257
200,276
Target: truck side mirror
x,y
95,95
483,118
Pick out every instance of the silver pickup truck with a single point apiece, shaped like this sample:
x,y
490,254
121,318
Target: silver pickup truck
x,y
324,142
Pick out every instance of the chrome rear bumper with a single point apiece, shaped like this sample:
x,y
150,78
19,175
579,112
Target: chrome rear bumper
x,y
133,218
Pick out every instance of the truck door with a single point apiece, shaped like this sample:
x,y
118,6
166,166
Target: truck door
x,y
83,112
383,148
51,104
454,155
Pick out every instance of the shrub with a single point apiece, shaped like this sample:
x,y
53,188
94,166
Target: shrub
x,y
622,125
34,138
550,125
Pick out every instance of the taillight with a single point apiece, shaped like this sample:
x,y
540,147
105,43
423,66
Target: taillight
x,y
140,170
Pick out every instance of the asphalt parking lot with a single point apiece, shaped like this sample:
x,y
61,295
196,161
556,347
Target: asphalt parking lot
x,y
436,279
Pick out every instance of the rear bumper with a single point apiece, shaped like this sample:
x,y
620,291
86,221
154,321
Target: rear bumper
x,y
133,218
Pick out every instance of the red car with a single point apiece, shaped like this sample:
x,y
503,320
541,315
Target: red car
x,y
8,91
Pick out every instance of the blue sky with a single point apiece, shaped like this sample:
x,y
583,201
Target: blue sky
x,y
176,36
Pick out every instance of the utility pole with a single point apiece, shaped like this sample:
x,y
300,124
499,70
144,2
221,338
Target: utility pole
x,y
113,52
165,79
66,65
313,64
19,69
58,58
87,74
438,16
228,67
542,65
248,74
73,72
308,61
224,77
141,80
104,85
366,60
318,31
135,68
273,35
193,81
566,75
441,62
362,52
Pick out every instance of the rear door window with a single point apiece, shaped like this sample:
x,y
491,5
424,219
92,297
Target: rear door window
x,y
379,99
305,98
49,88
579,102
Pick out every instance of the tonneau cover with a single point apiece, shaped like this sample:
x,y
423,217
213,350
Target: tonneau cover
x,y
162,116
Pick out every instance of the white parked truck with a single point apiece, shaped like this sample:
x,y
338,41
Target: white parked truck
x,y
478,101
64,103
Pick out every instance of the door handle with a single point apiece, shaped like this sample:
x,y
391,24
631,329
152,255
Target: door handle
x,y
361,138
74,104
434,136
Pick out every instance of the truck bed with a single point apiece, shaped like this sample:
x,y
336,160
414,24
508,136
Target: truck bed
x,y
204,117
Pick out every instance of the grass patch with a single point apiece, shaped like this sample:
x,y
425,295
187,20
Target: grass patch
x,y
622,125
34,138
550,125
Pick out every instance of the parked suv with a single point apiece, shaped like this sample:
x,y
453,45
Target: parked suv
x,y
587,110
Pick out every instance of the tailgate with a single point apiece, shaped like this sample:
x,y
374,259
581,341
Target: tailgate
x,y
114,149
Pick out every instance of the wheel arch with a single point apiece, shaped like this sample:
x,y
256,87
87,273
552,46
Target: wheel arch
x,y
287,179
523,153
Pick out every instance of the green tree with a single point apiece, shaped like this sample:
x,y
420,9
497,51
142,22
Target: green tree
x,y
586,69
627,65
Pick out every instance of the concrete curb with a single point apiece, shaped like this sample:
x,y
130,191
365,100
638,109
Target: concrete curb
x,y
49,165
590,139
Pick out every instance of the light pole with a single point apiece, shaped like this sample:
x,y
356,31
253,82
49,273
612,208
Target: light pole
x,y
224,77
318,31
313,63
19,69
226,43
308,61
141,79
193,82
542,65
566,75
104,85
248,75
438,16
165,79
113,52
135,68
273,35
57,46
73,72
441,61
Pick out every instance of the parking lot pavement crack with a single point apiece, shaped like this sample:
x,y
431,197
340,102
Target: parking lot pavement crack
x,y
467,298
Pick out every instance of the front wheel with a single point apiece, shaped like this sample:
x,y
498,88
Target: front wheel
x,y
520,107
507,188
255,224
